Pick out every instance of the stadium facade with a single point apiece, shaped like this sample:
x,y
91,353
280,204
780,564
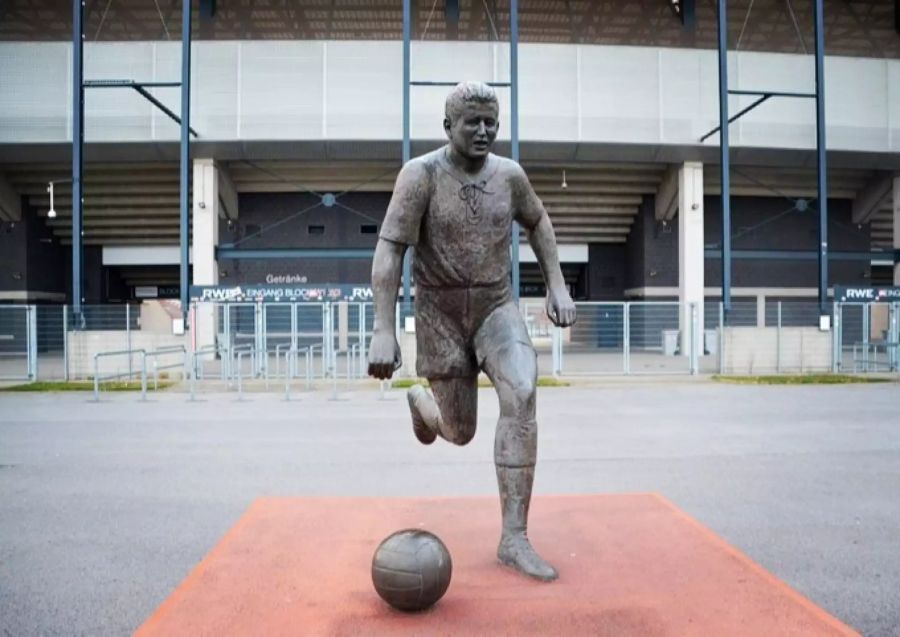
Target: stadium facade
x,y
297,108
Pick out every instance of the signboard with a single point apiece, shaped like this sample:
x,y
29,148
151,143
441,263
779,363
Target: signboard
x,y
263,293
286,279
156,291
875,294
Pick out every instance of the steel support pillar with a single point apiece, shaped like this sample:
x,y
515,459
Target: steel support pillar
x,y
185,186
724,147
77,149
204,239
821,160
514,126
690,258
724,157
407,145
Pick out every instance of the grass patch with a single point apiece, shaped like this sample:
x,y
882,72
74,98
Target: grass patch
x,y
551,381
542,381
801,379
82,385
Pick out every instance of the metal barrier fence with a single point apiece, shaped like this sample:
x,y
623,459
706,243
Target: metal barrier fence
x,y
18,342
282,343
621,338
867,337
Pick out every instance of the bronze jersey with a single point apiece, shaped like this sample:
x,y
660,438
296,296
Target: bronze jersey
x,y
460,225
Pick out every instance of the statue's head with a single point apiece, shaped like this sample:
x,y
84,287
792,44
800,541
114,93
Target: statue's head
x,y
471,118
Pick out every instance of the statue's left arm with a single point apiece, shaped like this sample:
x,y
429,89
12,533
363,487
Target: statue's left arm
x,y
532,216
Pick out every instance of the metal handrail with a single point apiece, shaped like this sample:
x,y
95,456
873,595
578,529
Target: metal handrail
x,y
319,346
128,374
240,375
164,351
197,356
278,350
352,357
235,355
212,349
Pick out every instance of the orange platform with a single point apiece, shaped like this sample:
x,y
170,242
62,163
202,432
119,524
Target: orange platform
x,y
630,565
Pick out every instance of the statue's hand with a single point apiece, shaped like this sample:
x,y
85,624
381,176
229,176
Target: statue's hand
x,y
384,355
560,307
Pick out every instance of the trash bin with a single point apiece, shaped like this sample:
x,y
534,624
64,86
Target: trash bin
x,y
711,341
670,342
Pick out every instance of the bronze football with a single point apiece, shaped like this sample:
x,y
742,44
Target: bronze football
x,y
411,569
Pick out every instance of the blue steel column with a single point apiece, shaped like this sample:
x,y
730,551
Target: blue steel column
x,y
77,148
821,161
407,20
185,152
724,157
514,128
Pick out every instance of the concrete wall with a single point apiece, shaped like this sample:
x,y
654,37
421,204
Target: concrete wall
x,y
351,90
793,231
766,350
652,249
606,272
652,246
14,256
32,260
49,262
84,345
342,230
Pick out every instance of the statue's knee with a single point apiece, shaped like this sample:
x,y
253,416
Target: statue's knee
x,y
524,393
518,382
517,396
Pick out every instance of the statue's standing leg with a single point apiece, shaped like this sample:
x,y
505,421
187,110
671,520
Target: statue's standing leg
x,y
508,358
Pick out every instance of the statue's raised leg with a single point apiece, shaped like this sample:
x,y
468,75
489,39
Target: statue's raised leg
x,y
450,413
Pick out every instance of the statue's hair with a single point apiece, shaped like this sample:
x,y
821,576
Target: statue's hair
x,y
465,92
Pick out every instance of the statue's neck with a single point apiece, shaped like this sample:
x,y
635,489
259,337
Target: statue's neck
x,y
469,165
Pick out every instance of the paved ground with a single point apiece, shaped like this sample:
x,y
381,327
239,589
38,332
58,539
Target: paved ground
x,y
104,508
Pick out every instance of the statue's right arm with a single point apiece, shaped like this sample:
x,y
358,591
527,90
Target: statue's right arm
x,y
387,268
399,231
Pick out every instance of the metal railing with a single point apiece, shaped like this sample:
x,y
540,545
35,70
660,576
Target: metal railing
x,y
867,337
291,368
18,343
126,374
196,371
240,369
155,355
759,335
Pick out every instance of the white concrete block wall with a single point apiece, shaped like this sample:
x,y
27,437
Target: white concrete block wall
x,y
755,350
82,347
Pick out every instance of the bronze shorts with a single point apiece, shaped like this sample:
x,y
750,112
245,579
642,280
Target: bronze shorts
x,y
447,328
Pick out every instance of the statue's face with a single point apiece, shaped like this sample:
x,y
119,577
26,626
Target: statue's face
x,y
473,132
